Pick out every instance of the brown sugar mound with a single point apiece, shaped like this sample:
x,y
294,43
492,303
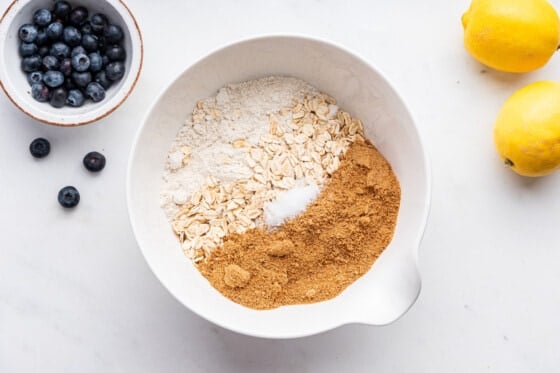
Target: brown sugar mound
x,y
316,255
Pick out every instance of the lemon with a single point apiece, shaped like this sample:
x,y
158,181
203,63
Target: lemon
x,y
527,130
511,35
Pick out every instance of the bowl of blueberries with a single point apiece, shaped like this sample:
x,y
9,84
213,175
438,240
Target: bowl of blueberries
x,y
69,63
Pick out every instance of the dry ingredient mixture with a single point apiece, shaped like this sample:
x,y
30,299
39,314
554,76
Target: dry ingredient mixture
x,y
242,149
265,196
316,255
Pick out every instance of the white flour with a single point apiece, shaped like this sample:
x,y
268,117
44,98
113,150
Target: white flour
x,y
204,146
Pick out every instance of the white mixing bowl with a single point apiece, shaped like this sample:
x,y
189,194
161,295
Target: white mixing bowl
x,y
382,295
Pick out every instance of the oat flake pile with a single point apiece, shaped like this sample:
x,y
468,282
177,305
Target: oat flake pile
x,y
277,151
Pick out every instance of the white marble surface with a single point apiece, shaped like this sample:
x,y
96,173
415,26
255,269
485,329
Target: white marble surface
x,y
76,295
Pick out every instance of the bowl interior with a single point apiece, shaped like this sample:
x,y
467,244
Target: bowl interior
x,y
379,297
14,80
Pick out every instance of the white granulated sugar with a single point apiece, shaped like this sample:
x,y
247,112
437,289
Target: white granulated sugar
x,y
208,146
289,204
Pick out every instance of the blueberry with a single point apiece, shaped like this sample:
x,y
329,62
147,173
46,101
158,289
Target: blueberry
x,y
42,17
98,23
80,62
81,79
28,33
70,85
62,9
95,91
78,50
55,30
89,42
58,97
66,67
95,62
71,36
35,77
105,60
68,197
116,53
115,70
43,50
32,63
40,92
94,161
78,16
60,50
85,28
101,44
28,49
51,63
42,38
53,79
101,78
40,147
75,98
113,33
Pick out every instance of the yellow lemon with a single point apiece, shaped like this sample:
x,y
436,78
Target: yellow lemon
x,y
527,130
511,35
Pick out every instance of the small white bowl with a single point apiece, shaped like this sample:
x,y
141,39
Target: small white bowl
x,y
14,81
379,297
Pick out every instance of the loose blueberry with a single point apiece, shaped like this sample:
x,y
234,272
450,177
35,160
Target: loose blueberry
x,y
42,17
81,79
58,97
66,66
78,16
101,78
42,38
43,50
80,62
85,28
40,147
27,33
60,50
113,33
55,30
98,23
95,62
68,197
115,70
35,77
72,36
78,50
28,49
89,42
53,79
40,92
95,91
116,53
30,64
75,98
94,161
51,63
62,9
